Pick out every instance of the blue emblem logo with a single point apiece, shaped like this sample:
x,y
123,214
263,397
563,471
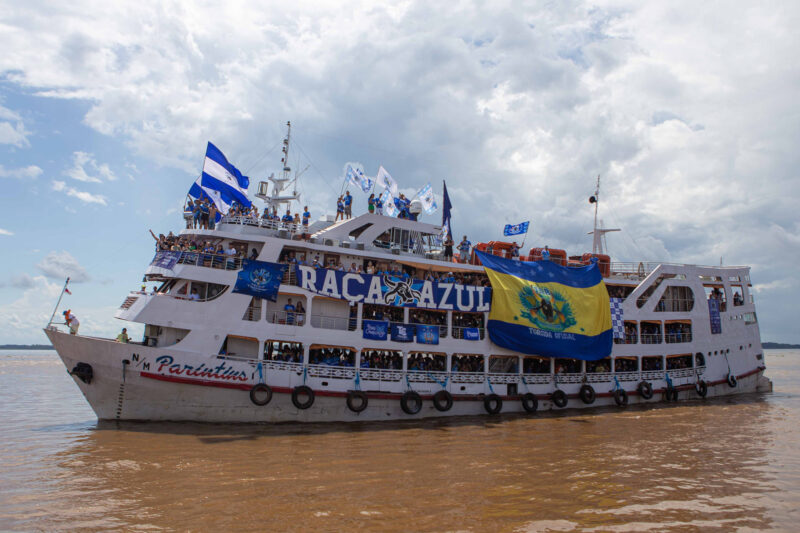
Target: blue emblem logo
x,y
545,309
260,279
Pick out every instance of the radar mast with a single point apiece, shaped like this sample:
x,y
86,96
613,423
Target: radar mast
x,y
598,234
280,198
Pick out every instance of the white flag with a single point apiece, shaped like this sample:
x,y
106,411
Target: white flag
x,y
389,207
383,178
428,199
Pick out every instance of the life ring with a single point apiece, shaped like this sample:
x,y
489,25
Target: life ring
x,y
621,397
732,381
670,394
443,400
411,402
493,404
529,402
261,389
645,390
702,388
587,394
559,398
306,391
357,400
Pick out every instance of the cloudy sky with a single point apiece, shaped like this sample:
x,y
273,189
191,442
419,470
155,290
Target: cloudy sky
x,y
688,111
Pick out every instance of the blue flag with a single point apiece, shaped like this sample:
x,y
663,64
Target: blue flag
x,y
220,175
446,207
260,279
376,330
515,229
427,334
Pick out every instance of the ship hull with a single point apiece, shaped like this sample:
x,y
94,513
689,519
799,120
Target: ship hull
x,y
135,382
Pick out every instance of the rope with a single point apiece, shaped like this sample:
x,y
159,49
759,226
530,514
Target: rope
x,y
305,374
525,383
260,373
491,389
617,386
408,383
358,380
443,384
669,381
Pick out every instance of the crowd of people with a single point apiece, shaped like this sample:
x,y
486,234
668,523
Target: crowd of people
x,y
535,365
466,363
625,365
651,332
678,332
332,356
427,362
652,363
382,359
678,362
290,352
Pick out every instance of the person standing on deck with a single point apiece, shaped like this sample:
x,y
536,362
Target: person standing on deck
x,y
463,248
72,322
348,205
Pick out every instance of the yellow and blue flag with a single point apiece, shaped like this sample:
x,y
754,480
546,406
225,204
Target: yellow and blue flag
x,y
546,309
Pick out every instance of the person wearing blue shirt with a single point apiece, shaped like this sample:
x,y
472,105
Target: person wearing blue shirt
x,y
463,248
339,209
378,205
287,218
348,205
306,216
289,309
546,254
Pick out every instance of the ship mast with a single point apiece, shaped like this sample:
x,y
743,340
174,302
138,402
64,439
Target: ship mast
x,y
278,200
598,234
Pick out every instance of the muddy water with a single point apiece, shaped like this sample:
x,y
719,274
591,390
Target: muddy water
x,y
706,465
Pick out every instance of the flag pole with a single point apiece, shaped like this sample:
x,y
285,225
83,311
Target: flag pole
x,y
58,302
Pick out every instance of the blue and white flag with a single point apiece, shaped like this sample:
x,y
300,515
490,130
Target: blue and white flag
x,y
220,175
376,330
515,229
222,200
260,279
385,179
355,175
428,199
427,334
389,207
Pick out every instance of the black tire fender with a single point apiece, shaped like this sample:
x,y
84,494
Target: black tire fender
x,y
303,390
702,388
493,404
259,389
732,381
645,390
587,394
621,397
529,402
443,401
559,398
411,402
357,400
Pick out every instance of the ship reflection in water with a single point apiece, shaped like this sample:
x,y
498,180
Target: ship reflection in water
x,y
729,464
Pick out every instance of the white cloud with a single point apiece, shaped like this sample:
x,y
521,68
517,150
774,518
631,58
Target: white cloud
x,y
83,196
23,281
6,232
83,160
29,172
12,129
60,265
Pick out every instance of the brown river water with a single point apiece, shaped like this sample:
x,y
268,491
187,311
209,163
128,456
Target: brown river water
x,y
714,465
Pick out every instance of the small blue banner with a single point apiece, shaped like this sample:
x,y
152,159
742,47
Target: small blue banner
x,y
376,330
427,334
713,312
402,333
166,259
472,334
516,229
260,279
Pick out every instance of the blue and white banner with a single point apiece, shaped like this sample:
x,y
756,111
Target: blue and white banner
x,y
376,330
385,180
389,207
428,199
260,279
427,334
165,260
713,312
617,318
222,201
515,229
389,290
472,334
220,175
402,333
354,173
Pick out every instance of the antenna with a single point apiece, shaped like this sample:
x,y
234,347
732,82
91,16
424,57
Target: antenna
x,y
277,199
598,234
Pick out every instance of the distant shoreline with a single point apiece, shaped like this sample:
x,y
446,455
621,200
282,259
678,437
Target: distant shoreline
x,y
765,345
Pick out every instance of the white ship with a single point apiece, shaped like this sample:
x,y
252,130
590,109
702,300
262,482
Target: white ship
x,y
213,355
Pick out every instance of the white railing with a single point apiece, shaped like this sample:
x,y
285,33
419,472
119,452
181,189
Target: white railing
x,y
380,374
503,378
286,318
426,376
467,377
628,376
333,322
681,372
210,260
333,372
673,338
599,377
568,378
651,338
652,374
537,379
284,365
265,223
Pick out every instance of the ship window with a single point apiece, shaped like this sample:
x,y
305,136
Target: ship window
x,y
503,364
619,291
162,336
535,365
652,362
699,359
381,359
738,298
599,366
568,366
253,311
648,292
675,362
676,299
287,310
626,364
289,352
427,362
356,233
716,292
320,354
382,312
466,363
650,332
329,313
678,331
238,346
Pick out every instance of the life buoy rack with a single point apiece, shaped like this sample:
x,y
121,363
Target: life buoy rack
x,y
670,394
702,388
443,400
260,394
411,402
587,394
621,397
493,404
732,381
559,398
645,390
357,400
300,391
529,402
